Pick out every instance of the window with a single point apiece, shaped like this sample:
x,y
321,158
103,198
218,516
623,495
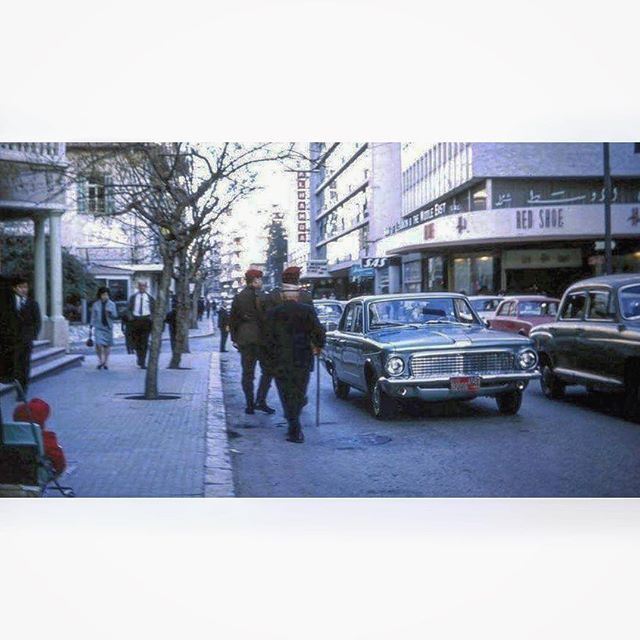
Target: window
x,y
538,308
347,319
95,194
599,305
573,308
357,321
630,302
505,309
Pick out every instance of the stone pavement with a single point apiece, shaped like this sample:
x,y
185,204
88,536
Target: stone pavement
x,y
119,447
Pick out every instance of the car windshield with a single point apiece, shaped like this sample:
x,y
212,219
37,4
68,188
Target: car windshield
x,y
538,308
420,311
488,304
630,302
328,309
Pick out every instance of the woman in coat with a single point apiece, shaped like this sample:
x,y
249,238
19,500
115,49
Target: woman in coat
x,y
103,313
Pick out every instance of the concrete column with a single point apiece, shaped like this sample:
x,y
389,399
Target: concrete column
x,y
394,278
58,329
40,268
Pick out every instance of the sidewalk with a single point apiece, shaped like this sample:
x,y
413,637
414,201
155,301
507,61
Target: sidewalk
x,y
119,447
78,333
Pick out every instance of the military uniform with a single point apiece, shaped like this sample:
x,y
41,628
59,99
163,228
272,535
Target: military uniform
x,y
291,330
246,324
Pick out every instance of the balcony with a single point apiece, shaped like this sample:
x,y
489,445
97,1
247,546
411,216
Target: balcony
x,y
33,152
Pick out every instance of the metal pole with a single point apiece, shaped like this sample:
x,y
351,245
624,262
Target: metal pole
x,y
607,209
318,390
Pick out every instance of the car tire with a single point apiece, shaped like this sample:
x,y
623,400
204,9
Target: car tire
x,y
509,403
341,389
381,405
551,386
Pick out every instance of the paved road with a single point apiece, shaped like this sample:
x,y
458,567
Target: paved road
x,y
575,447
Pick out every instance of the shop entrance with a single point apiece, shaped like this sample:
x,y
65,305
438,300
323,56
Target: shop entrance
x,y
550,281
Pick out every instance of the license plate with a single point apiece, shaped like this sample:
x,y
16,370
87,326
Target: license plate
x,y
468,384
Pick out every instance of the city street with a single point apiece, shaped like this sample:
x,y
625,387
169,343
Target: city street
x,y
575,447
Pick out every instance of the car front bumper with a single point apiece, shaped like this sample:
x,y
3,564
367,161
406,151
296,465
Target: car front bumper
x,y
438,389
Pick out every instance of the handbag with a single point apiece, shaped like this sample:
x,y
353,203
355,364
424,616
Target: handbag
x,y
89,342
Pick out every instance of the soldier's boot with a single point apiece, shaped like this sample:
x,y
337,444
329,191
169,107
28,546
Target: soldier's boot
x,y
294,434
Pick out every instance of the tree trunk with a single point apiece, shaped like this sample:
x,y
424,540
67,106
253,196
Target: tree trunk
x,y
182,312
151,379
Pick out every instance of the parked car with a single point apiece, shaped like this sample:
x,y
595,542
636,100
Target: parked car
x,y
485,306
519,314
428,346
329,312
595,340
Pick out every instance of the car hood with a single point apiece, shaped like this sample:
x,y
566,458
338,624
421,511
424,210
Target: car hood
x,y
444,337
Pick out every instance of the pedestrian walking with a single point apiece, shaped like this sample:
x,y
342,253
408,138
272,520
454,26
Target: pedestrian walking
x,y
200,308
125,326
141,307
103,313
26,324
171,320
247,334
223,325
208,308
293,335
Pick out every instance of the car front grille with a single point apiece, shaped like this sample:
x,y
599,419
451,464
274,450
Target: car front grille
x,y
429,366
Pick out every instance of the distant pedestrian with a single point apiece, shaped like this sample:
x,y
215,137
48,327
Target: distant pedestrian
x,y
171,320
103,313
27,322
223,325
247,327
141,306
200,309
208,308
293,334
125,326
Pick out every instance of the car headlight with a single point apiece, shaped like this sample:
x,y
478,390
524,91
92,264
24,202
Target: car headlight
x,y
527,359
394,366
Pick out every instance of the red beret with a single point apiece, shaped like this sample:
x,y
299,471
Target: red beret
x,y
294,271
253,273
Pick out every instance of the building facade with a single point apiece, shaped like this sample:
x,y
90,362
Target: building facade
x,y
488,217
354,194
32,190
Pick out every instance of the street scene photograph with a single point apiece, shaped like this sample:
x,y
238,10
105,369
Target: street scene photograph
x,y
320,319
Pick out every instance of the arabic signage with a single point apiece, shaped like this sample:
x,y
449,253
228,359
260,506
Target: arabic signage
x,y
542,258
362,272
526,223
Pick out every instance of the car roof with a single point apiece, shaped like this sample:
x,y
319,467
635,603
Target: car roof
x,y
616,280
531,299
407,296
496,297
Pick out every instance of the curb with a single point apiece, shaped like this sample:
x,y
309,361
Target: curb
x,y
218,478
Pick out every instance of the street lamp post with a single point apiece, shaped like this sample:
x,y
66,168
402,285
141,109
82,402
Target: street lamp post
x,y
607,209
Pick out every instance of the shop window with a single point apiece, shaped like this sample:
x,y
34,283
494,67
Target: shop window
x,y
479,199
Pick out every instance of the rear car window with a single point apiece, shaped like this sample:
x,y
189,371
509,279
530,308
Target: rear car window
x,y
538,308
574,305
599,305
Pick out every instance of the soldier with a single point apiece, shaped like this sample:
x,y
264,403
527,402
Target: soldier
x,y
291,275
246,324
293,334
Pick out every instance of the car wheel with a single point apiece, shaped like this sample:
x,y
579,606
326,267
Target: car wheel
x,y
551,386
341,389
382,406
509,403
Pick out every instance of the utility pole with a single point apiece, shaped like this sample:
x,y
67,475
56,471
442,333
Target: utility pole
x,y
607,209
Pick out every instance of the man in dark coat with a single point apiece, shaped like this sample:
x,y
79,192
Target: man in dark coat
x,y
28,323
293,334
291,275
141,308
247,327
223,325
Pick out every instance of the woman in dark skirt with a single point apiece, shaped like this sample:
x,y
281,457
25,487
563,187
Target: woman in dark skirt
x,y
103,313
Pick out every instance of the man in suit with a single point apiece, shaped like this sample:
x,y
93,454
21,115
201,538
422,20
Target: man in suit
x,y
246,324
141,308
28,323
293,334
223,325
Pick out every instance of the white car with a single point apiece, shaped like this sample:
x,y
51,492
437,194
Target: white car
x,y
485,306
